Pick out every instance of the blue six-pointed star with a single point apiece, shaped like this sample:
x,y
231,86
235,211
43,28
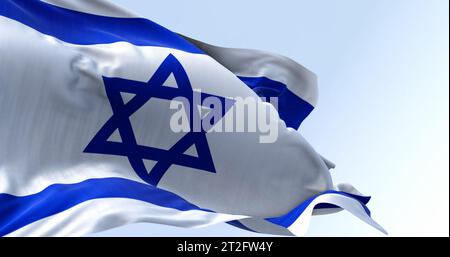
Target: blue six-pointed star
x,y
120,120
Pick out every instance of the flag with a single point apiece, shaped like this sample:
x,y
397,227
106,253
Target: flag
x,y
109,119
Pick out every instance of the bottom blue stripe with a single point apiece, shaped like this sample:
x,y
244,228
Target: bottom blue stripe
x,y
289,218
239,224
19,211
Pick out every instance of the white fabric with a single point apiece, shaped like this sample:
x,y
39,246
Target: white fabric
x,y
53,101
257,63
64,87
102,214
98,7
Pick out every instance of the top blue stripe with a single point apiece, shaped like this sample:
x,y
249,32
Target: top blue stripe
x,y
88,29
291,108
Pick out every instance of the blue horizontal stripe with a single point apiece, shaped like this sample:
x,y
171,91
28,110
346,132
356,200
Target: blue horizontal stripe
x,y
289,218
239,224
88,29
19,211
291,108
361,198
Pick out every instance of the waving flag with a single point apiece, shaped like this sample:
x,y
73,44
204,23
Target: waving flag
x,y
93,108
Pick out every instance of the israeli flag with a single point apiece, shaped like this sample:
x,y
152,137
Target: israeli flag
x,y
89,95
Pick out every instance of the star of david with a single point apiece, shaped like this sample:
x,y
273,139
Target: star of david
x,y
120,121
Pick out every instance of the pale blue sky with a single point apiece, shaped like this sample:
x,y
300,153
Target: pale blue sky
x,y
383,107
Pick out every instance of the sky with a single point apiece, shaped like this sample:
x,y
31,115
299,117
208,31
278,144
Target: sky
x,y
382,115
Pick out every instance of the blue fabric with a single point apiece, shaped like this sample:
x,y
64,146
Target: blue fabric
x,y
87,29
239,224
290,217
19,211
291,108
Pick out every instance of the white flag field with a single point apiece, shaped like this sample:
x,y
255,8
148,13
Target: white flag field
x,y
109,119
